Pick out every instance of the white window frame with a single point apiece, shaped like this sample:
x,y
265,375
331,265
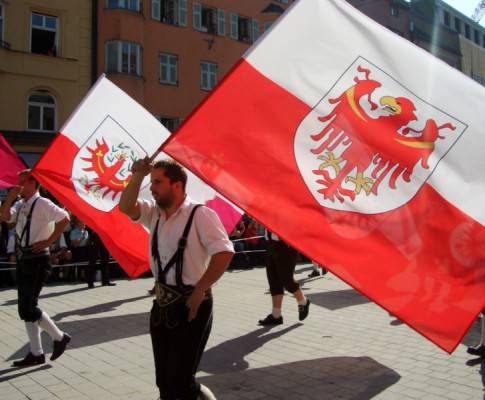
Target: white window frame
x,y
156,10
170,123
44,26
121,49
130,5
168,68
208,75
221,22
42,107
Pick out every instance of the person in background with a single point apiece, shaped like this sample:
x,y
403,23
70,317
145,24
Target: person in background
x,y
280,268
479,349
97,250
38,223
316,270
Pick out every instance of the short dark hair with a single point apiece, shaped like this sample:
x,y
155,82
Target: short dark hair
x,y
174,171
30,177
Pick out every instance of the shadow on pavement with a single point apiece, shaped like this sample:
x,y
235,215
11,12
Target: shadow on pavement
x,y
14,372
98,308
357,378
229,355
338,299
112,328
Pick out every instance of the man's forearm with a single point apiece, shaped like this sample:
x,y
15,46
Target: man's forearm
x,y
129,196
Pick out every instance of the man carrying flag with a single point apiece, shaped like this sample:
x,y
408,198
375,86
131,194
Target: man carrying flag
x,y
190,251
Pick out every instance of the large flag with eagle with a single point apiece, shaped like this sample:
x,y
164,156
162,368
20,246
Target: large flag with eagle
x,y
362,151
11,165
89,164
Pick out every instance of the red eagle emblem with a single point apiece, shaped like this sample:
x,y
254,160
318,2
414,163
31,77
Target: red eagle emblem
x,y
375,149
109,167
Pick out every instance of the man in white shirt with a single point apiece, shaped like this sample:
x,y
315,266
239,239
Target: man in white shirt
x,y
179,329
39,222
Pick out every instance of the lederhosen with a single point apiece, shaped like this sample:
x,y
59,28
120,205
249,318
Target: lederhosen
x,y
33,270
177,343
280,266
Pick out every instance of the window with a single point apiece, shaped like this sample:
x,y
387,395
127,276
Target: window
x,y
43,35
41,112
208,19
208,75
132,5
173,12
446,18
170,123
476,36
457,25
123,58
244,29
467,31
168,69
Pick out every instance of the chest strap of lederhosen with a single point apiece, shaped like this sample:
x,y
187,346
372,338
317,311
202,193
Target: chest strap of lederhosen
x,y
26,230
178,257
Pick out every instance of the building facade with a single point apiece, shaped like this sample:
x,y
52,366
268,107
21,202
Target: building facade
x,y
45,69
169,54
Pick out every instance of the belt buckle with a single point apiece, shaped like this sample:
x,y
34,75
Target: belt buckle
x,y
165,295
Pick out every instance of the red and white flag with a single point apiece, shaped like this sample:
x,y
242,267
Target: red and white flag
x,y
11,165
89,164
362,151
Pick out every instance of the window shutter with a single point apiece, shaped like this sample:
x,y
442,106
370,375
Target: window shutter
x,y
182,17
221,22
255,26
156,10
234,29
196,16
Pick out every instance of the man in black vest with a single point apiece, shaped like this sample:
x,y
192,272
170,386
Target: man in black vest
x,y
39,222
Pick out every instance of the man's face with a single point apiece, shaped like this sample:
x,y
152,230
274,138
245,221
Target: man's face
x,y
27,185
163,191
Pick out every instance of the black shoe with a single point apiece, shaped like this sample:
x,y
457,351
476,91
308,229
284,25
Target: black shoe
x,y
478,350
29,360
90,285
151,292
314,274
303,310
270,320
324,271
60,346
109,284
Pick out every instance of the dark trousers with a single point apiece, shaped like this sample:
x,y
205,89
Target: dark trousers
x,y
97,250
32,274
178,346
280,267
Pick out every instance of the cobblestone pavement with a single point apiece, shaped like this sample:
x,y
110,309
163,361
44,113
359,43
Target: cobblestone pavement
x,y
347,348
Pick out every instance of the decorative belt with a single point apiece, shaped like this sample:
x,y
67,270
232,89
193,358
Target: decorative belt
x,y
167,295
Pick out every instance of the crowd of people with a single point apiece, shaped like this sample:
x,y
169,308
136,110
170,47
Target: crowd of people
x,y
249,243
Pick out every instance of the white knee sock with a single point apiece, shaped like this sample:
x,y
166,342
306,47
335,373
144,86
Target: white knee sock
x,y
33,331
276,312
48,325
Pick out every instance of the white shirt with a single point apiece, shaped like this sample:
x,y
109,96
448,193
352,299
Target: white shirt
x,y
44,217
207,237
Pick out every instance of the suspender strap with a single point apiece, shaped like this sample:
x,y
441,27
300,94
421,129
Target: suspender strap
x,y
178,257
26,230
